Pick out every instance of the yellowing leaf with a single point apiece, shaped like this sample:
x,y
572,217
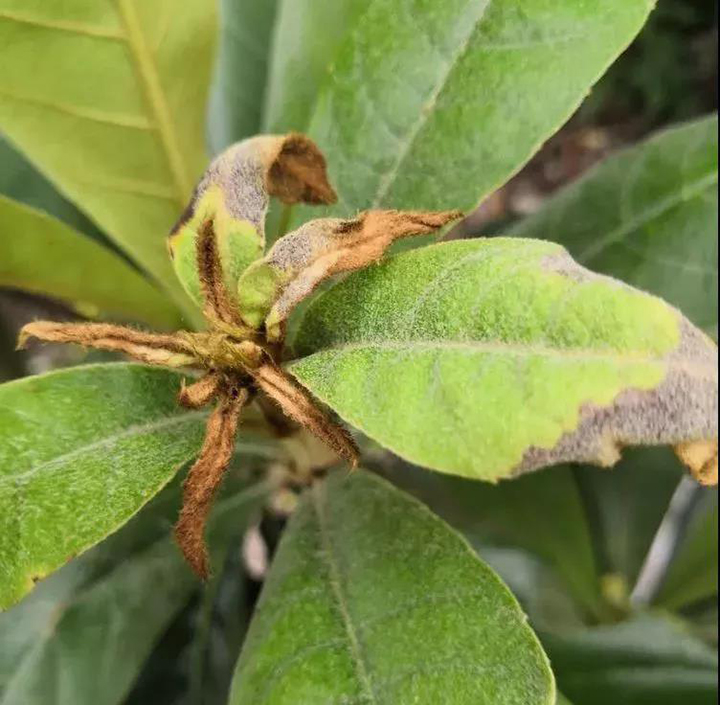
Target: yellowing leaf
x,y
45,256
108,99
488,358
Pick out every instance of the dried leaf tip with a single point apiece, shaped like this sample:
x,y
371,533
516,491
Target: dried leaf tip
x,y
701,458
298,172
272,287
204,479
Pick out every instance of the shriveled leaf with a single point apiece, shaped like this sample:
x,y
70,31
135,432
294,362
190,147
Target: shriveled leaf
x,y
300,261
231,201
238,93
119,598
693,573
650,659
435,104
542,513
45,256
627,505
81,450
648,215
114,113
494,357
302,57
371,596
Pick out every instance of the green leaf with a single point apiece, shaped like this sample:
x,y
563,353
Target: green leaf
x,y
92,625
371,596
434,105
114,114
491,357
237,98
45,256
20,181
81,450
693,574
307,37
628,505
650,659
648,215
542,513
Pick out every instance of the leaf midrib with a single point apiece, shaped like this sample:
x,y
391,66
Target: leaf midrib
x,y
494,347
149,79
163,424
388,178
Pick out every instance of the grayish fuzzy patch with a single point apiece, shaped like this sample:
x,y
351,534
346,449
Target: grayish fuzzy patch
x,y
299,249
683,407
240,172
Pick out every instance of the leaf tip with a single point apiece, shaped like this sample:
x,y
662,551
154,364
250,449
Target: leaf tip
x,y
299,173
701,458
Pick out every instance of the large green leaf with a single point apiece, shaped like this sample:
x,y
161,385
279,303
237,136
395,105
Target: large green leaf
x,y
92,624
648,215
650,660
81,450
542,513
435,104
371,597
109,100
45,256
490,357
308,35
237,99
20,181
693,573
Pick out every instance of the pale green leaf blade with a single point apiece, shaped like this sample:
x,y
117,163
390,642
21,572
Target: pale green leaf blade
x,y
238,93
371,598
307,37
81,450
434,105
648,215
114,113
45,256
693,573
119,598
491,357
650,659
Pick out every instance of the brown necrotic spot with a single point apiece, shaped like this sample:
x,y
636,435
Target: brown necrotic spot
x,y
298,174
205,478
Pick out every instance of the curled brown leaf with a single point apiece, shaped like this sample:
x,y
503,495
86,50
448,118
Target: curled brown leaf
x,y
321,248
150,348
205,477
297,403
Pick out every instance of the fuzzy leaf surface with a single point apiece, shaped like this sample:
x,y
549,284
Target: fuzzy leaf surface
x,y
81,450
542,513
648,215
120,597
371,598
302,57
45,256
109,101
434,105
491,357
